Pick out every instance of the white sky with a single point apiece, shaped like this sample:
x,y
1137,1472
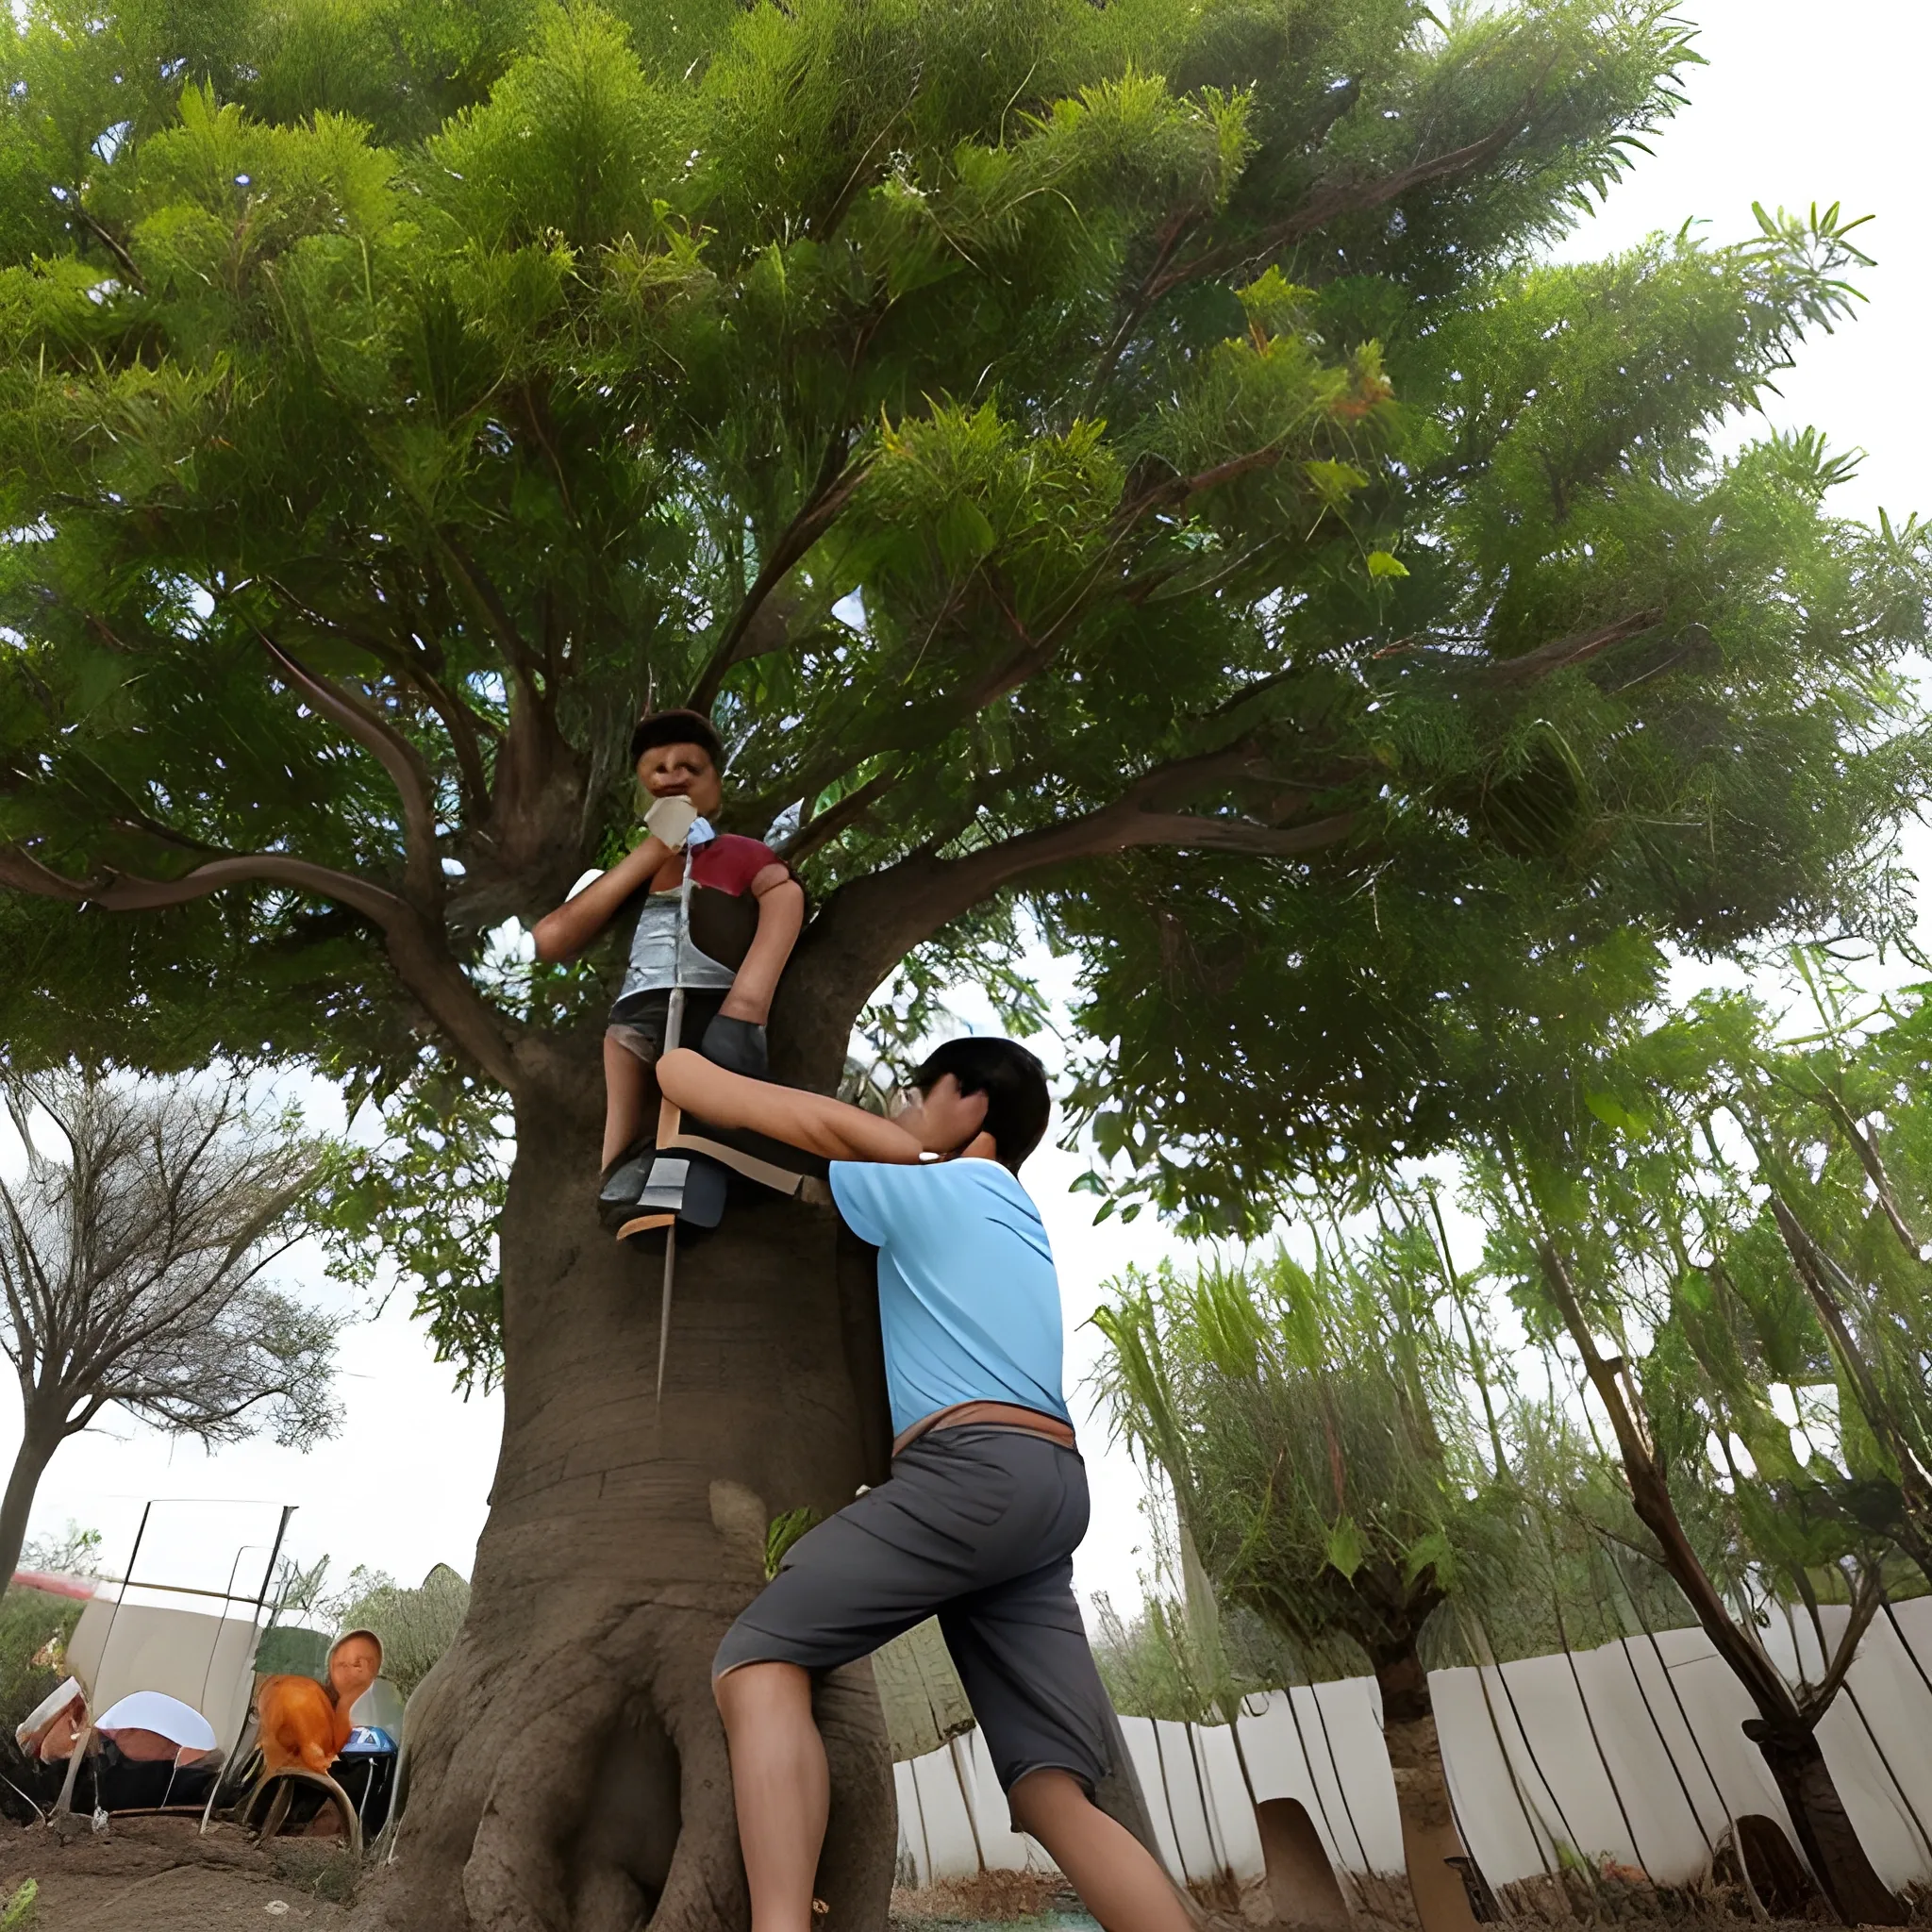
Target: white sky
x,y
1798,104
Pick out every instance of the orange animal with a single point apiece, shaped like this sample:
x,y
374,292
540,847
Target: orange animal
x,y
304,1724
301,1725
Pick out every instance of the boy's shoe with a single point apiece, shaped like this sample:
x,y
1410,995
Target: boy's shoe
x,y
686,1188
625,1179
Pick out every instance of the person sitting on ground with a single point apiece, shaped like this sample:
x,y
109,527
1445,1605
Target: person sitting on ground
x,y
305,1724
747,911
986,1498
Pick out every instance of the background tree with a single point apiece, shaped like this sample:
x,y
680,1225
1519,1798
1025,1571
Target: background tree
x,y
1297,1418
1115,471
416,1626
1839,1137
131,1270
1612,1235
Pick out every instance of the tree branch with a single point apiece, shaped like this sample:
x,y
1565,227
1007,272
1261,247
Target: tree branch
x,y
837,481
1561,652
415,948
490,605
109,242
1874,1164
423,869
819,832
458,720
1864,1606
875,920
1330,202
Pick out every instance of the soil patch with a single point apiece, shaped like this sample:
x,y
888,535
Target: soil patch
x,y
162,1873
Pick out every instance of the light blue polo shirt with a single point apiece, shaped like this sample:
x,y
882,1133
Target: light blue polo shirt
x,y
969,1299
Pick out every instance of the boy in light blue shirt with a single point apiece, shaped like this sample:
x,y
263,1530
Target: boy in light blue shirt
x,y
986,1499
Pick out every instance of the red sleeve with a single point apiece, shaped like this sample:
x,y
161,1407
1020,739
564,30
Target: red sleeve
x,y
730,863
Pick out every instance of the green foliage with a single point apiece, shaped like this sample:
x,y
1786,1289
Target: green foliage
x,y
1158,1664
425,1198
1297,1416
416,1626
783,1531
20,1909
291,1650
1119,471
34,1629
1730,1209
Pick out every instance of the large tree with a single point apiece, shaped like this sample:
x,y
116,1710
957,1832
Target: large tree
x,y
1113,470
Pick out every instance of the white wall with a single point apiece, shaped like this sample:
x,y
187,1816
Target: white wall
x,y
1631,1753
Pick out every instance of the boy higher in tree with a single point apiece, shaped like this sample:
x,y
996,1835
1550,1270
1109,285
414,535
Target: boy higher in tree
x,y
986,1499
745,918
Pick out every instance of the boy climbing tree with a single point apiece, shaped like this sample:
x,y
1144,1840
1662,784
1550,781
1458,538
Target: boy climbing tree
x,y
986,1499
744,914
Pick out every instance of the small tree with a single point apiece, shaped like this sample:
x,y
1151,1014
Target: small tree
x,y
1623,1234
1295,1415
131,1271
1839,1127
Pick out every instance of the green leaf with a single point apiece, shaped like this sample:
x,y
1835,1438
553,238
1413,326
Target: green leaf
x,y
1345,1549
964,535
1382,564
1431,1552
784,1530
1613,1113
1335,482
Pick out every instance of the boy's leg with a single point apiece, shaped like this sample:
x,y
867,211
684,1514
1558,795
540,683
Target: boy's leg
x,y
1021,1648
627,1087
949,1518
782,1787
1119,1880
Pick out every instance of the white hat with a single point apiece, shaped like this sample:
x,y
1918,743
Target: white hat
x,y
167,1717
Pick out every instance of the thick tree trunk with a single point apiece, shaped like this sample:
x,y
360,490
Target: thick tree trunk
x,y
1830,1844
38,1443
566,1771
1429,1837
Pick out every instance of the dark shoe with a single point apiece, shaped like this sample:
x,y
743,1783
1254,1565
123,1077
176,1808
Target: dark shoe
x,y
688,1186
624,1181
738,1047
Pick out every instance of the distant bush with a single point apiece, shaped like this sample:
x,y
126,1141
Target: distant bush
x,y
416,1626
34,1629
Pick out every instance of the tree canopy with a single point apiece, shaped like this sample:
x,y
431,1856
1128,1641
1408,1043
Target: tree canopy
x,y
1124,471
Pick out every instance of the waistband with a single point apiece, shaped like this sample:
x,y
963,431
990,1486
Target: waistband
x,y
1003,1415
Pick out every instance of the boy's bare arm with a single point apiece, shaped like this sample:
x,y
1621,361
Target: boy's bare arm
x,y
781,915
565,933
811,1120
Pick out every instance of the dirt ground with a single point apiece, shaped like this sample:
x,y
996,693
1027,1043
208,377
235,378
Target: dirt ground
x,y
159,1872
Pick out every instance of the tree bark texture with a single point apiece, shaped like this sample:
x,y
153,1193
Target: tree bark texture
x,y
566,1771
1826,1833
38,1443
1429,1837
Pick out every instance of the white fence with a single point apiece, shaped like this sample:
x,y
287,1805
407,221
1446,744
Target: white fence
x,y
1631,1753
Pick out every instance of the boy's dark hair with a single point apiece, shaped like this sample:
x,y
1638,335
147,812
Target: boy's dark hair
x,y
1013,1081
676,727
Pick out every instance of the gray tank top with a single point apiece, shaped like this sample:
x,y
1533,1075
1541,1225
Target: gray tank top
x,y
655,964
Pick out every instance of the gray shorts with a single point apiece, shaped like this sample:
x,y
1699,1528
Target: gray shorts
x,y
978,1526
